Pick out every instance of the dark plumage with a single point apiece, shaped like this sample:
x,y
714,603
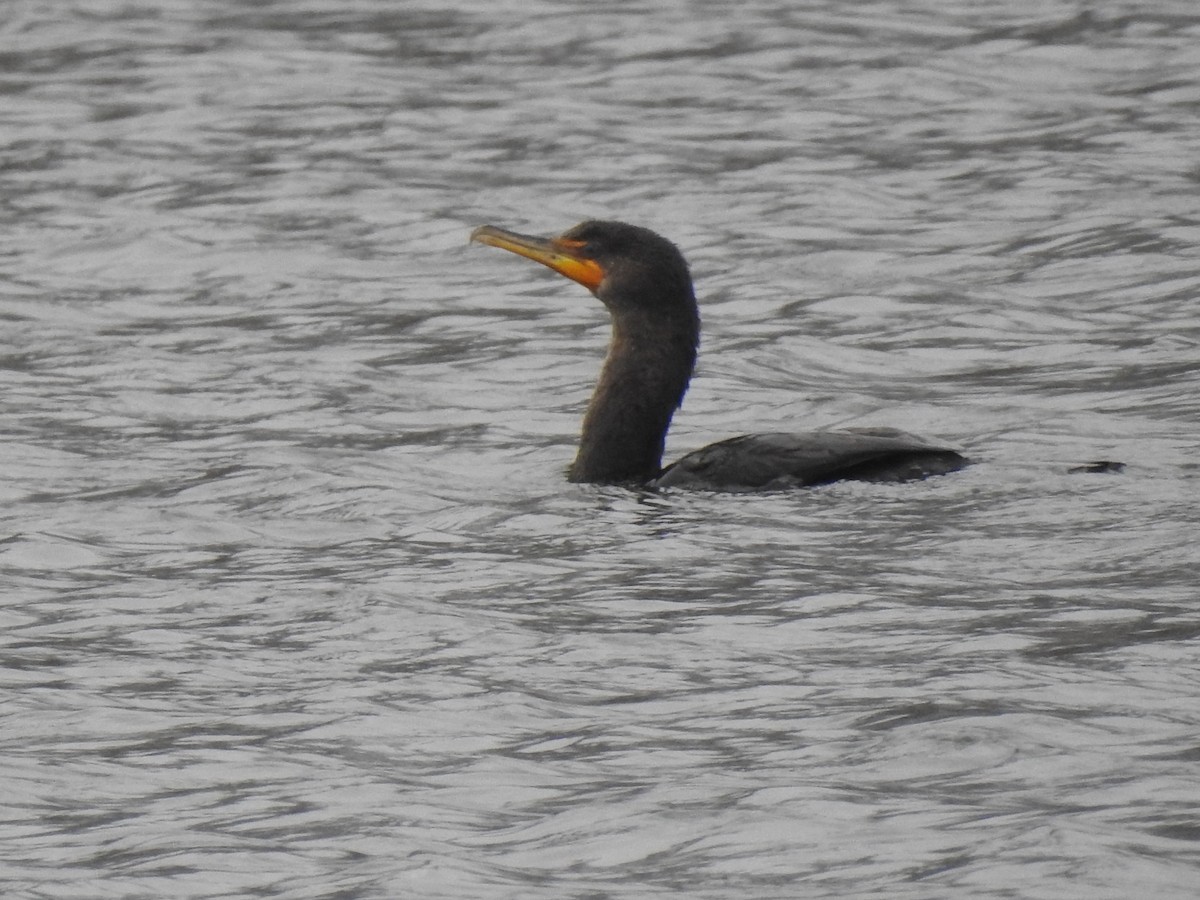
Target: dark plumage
x,y
644,282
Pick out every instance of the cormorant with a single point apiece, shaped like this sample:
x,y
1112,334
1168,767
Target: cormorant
x,y
644,282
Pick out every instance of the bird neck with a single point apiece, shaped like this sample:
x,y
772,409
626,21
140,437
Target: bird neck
x,y
646,372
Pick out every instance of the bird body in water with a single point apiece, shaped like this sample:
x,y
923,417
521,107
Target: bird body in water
x,y
644,282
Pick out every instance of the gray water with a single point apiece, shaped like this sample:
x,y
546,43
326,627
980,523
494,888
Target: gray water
x,y
297,602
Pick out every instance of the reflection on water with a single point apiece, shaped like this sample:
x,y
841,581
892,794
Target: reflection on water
x,y
298,600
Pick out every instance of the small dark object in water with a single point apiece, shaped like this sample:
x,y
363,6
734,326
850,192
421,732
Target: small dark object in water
x,y
1100,467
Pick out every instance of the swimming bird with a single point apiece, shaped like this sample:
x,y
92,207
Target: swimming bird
x,y
644,282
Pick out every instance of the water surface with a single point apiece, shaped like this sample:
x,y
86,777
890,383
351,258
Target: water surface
x,y
298,602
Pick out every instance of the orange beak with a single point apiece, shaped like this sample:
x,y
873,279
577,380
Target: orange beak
x,y
561,255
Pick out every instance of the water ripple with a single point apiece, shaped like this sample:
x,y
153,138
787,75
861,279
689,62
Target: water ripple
x,y
299,602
